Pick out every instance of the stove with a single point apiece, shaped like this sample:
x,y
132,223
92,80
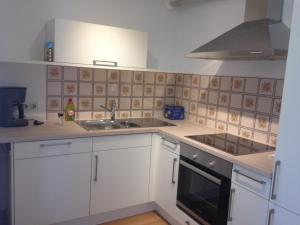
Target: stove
x,y
232,144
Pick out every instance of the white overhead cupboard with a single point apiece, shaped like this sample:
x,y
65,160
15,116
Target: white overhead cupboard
x,y
94,44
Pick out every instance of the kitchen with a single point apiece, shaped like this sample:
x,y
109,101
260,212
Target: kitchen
x,y
239,97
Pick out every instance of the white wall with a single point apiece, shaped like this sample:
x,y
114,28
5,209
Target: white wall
x,y
206,20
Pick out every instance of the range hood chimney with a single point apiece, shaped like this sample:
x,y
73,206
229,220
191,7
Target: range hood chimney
x,y
262,36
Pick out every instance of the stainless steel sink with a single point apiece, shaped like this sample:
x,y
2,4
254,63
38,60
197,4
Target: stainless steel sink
x,y
121,124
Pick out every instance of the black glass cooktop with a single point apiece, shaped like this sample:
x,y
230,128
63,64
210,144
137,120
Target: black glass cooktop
x,y
232,144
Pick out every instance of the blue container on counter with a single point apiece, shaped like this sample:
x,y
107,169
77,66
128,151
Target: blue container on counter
x,y
173,112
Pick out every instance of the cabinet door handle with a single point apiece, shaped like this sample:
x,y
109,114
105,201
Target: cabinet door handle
x,y
96,168
232,191
270,216
173,171
55,144
274,180
105,63
251,178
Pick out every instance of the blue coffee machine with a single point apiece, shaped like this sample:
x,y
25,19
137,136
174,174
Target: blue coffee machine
x,y
12,107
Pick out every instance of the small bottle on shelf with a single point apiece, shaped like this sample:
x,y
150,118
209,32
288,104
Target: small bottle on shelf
x,y
49,52
70,110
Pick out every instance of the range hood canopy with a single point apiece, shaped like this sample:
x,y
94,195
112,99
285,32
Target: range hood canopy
x,y
261,37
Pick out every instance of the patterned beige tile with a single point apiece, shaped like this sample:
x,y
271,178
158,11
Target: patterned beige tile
x,y
171,79
126,76
54,73
85,89
194,94
248,119
223,127
84,115
211,111
274,125
97,102
138,77
249,102
160,91
213,97
234,116
273,140
236,101
202,109
147,114
112,100
251,85
160,78
277,107
170,91
222,114
85,104
149,78
148,90
178,102
99,89
70,73
203,95
54,104
113,90
70,88
193,118
225,83
178,92
54,88
187,80
125,103
137,90
260,137
279,88
266,87
136,114
158,114
246,133
195,81
113,76
100,75
264,105
136,103
193,107
224,99
124,114
238,84
179,80
233,129
204,82
201,121
169,101
125,90
148,103
262,123
215,82
86,74
211,123
159,103
186,93
186,105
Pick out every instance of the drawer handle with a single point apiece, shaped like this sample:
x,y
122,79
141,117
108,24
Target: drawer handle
x,y
232,191
56,144
270,216
251,178
105,63
274,180
96,168
173,171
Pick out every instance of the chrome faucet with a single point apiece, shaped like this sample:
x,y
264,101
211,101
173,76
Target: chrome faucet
x,y
112,110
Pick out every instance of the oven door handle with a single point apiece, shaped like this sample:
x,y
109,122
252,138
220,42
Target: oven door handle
x,y
201,172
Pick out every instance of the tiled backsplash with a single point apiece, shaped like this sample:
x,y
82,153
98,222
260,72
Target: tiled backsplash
x,y
138,94
249,107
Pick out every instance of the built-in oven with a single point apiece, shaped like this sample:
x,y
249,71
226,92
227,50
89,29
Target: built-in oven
x,y
204,186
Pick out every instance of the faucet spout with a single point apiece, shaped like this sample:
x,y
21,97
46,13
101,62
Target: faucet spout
x,y
112,110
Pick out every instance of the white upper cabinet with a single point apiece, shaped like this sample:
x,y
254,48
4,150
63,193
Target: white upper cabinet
x,y
85,43
286,179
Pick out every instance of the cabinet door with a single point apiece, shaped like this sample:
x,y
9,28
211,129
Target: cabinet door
x,y
120,179
286,191
167,175
247,208
280,216
52,189
78,42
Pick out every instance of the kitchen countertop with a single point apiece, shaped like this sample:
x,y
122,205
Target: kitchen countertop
x,y
261,163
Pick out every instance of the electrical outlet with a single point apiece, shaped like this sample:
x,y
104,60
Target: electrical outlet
x,y
30,106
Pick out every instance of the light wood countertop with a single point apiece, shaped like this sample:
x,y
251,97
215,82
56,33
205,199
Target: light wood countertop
x,y
261,163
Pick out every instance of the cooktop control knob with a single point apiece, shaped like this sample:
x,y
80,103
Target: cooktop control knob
x,y
195,156
212,164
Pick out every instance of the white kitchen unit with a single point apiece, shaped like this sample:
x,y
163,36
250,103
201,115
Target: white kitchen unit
x,y
120,172
280,216
286,180
86,43
51,181
167,176
249,198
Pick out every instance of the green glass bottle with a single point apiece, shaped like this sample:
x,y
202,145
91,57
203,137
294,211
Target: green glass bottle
x,y
70,110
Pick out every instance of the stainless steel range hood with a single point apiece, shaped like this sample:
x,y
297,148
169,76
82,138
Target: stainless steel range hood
x,y
261,37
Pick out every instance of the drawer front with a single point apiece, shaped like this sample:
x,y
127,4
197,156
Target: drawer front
x,y
251,181
51,148
121,141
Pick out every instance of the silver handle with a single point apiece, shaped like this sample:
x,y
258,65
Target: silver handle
x,y
251,178
200,172
270,216
55,144
96,168
105,63
173,171
232,191
274,180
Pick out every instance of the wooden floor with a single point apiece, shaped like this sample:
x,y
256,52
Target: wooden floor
x,y
143,219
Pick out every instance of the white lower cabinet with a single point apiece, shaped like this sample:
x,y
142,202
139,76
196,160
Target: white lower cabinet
x,y
280,216
52,189
120,178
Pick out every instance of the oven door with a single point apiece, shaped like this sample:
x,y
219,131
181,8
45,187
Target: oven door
x,y
202,193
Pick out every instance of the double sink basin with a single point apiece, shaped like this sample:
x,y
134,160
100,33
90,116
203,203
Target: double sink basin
x,y
91,125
